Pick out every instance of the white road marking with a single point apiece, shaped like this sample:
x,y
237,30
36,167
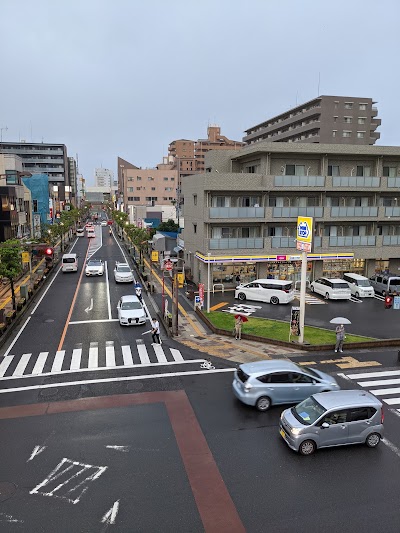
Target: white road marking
x,y
390,401
127,355
10,519
36,451
76,359
90,308
119,448
5,364
143,355
160,353
382,392
91,321
41,361
377,382
58,361
391,446
93,355
45,292
22,364
19,332
110,356
384,373
111,514
128,378
176,354
108,293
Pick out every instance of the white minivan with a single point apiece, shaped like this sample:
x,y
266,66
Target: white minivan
x,y
273,291
360,286
69,263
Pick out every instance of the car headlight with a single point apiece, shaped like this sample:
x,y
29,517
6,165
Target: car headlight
x,y
248,387
333,384
295,431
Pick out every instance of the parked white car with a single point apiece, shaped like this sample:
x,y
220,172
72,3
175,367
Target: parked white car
x,y
123,273
94,267
131,311
104,222
331,289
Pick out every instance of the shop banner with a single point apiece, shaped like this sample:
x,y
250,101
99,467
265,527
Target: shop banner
x,y
201,293
295,322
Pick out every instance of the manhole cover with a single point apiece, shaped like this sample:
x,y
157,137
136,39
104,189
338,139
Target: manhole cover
x,y
48,393
49,320
134,386
7,489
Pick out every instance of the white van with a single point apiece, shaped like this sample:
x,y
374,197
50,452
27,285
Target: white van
x,y
80,232
360,286
69,263
273,291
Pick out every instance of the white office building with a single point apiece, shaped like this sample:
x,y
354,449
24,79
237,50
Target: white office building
x,y
104,177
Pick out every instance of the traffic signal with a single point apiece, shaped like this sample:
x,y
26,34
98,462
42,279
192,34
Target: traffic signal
x,y
48,255
388,302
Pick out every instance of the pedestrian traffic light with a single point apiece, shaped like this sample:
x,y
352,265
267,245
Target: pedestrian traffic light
x,y
388,302
48,255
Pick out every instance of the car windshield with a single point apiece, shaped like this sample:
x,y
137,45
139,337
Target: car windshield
x,y
68,260
394,282
308,411
123,268
309,371
343,285
129,306
363,283
94,263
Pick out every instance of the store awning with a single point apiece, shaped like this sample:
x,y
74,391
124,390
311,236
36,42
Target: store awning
x,y
178,249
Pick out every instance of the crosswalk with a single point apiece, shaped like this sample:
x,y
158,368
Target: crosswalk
x,y
384,384
91,358
310,298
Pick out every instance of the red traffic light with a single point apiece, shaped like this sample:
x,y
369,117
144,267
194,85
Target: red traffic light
x,y
388,302
49,251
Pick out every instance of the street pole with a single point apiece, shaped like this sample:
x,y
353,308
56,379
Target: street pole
x,y
208,283
163,294
176,300
303,280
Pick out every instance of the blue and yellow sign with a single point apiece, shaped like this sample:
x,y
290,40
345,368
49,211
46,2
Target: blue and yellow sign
x,y
304,229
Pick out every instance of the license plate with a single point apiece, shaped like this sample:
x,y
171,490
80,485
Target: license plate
x,y
283,434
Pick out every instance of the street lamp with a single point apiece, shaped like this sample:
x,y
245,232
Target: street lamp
x,y
62,234
208,283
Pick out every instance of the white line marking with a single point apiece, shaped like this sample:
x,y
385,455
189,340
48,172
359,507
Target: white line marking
x,y
93,355
5,364
17,336
129,378
76,359
143,355
22,364
45,292
384,373
127,355
36,451
91,321
90,308
122,252
110,356
100,368
391,401
377,382
108,293
391,446
382,392
111,514
10,519
41,361
159,353
119,448
176,354
343,376
58,362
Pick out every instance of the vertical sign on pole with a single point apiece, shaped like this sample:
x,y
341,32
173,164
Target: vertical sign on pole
x,y
201,294
304,243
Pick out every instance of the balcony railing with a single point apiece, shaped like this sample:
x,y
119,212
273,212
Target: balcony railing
x,y
354,211
237,212
393,182
392,211
391,240
299,181
234,244
367,240
294,212
283,242
356,181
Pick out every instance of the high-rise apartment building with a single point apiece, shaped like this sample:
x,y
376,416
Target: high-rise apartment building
x,y
103,177
326,119
72,193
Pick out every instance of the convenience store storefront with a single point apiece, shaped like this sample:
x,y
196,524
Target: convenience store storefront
x,y
226,270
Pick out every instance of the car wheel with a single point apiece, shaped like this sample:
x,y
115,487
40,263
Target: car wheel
x,y
312,288
383,293
274,300
307,447
263,403
241,296
357,295
373,440
327,296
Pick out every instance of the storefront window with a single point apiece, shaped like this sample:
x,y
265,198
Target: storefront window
x,y
287,270
336,269
229,274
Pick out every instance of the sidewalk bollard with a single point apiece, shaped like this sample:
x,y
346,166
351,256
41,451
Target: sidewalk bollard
x,y
23,291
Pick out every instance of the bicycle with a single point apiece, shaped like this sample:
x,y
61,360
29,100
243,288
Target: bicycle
x,y
207,365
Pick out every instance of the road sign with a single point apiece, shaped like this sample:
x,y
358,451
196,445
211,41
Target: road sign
x,y
303,246
396,302
154,256
25,257
304,229
197,299
167,265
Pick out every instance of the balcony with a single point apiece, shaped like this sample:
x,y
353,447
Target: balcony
x,y
392,211
391,240
235,244
299,181
393,183
294,212
354,211
237,212
355,240
356,181
283,242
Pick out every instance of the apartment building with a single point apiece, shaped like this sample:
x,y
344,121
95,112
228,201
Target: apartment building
x,y
73,180
326,119
103,177
241,215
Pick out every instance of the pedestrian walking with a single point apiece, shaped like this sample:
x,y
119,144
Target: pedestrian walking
x,y
340,336
238,327
155,331
138,291
237,279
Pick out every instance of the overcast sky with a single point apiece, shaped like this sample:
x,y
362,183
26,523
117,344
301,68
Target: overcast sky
x,y
126,77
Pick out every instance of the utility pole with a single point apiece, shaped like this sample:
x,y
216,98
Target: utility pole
x,y
1,132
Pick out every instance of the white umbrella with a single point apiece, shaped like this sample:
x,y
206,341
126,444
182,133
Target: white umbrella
x,y
340,320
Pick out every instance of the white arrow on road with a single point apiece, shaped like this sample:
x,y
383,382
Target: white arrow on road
x,y
90,306
111,514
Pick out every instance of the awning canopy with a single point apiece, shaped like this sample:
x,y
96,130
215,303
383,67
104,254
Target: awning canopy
x,y
178,249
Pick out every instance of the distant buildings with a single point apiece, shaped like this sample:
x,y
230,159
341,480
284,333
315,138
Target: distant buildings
x,y
326,119
103,177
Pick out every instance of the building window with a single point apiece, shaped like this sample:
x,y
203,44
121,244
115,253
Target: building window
x,y
390,172
136,198
346,134
195,199
295,170
138,188
130,198
360,134
130,189
165,179
362,120
194,228
334,132
252,169
172,179
150,178
35,206
348,105
153,188
335,119
138,178
165,198
168,188
363,107
336,104
363,171
348,120
333,170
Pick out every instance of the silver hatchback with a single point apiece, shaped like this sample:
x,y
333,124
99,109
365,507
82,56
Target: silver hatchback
x,y
333,419
265,383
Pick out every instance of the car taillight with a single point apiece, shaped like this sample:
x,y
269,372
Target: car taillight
x,y
382,415
286,290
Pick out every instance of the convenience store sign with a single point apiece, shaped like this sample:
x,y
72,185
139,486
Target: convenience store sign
x,y
263,258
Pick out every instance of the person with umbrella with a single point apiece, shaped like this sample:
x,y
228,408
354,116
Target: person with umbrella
x,y
239,319
340,332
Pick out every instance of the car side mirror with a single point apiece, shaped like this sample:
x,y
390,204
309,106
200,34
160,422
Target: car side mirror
x,y
325,425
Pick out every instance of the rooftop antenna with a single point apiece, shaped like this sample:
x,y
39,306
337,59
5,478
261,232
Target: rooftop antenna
x,y
319,82
1,133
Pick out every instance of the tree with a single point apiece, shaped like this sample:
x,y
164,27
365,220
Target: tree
x,y
170,225
11,263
